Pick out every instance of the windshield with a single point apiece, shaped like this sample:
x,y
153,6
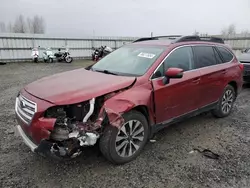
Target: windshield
x,y
129,60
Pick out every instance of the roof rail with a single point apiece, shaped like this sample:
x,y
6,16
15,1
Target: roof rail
x,y
179,38
213,39
171,37
198,38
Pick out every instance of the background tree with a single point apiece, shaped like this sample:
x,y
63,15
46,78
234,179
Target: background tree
x,y
2,27
230,30
38,25
10,28
245,33
22,25
196,33
30,25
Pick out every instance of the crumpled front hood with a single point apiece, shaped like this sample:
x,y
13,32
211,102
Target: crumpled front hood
x,y
76,86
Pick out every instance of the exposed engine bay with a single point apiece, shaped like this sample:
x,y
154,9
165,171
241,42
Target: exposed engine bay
x,y
76,126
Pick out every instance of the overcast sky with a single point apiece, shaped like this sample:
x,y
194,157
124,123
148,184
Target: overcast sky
x,y
131,17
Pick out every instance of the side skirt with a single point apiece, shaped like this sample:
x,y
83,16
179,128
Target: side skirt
x,y
157,127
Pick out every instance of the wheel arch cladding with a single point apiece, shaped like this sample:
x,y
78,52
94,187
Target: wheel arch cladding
x,y
234,85
144,110
138,98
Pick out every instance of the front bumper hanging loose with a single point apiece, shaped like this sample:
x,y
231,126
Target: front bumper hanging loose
x,y
25,138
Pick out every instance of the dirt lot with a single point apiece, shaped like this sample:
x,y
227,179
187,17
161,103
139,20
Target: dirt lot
x,y
168,162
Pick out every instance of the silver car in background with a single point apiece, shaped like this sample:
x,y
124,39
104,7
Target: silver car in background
x,y
244,58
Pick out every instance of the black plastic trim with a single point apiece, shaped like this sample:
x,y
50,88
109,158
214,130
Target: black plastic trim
x,y
157,127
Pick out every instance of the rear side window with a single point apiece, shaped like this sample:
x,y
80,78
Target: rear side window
x,y
226,55
204,56
218,57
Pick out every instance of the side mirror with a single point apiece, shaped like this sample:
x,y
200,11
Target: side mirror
x,y
172,73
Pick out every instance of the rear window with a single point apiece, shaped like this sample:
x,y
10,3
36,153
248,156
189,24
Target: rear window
x,y
204,56
218,58
226,55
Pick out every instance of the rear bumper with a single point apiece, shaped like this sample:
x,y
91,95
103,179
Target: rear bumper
x,y
25,138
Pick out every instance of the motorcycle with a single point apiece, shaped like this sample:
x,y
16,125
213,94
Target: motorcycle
x,y
63,56
95,54
101,52
48,55
35,54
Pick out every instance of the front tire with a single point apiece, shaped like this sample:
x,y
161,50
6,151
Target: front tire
x,y
123,145
226,103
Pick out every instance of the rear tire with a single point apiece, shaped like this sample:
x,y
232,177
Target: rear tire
x,y
123,145
226,102
36,60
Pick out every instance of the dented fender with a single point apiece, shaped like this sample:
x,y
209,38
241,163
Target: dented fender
x,y
118,104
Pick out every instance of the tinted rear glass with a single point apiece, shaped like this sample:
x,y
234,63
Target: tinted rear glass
x,y
226,55
204,56
218,58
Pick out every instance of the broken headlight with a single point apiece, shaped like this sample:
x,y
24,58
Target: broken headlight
x,y
55,112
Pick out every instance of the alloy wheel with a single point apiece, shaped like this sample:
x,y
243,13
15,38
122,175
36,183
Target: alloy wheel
x,y
129,138
227,101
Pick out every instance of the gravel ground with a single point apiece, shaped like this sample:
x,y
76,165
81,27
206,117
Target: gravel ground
x,y
168,162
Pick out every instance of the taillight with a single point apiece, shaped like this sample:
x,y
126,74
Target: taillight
x,y
241,66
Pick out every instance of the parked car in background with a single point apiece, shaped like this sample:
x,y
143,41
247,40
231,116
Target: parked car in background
x,y
244,58
127,96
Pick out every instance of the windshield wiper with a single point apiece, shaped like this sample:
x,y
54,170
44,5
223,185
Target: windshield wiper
x,y
106,72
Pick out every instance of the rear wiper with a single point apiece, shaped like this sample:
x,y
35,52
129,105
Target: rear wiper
x,y
106,72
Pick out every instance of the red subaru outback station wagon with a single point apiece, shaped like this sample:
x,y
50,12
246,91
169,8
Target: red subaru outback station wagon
x,y
123,99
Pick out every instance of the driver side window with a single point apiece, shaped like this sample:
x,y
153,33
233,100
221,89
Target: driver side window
x,y
180,58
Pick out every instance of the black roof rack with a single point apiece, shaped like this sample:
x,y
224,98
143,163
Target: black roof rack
x,y
179,38
171,37
213,39
198,38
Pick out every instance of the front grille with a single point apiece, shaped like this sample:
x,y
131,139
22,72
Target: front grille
x,y
25,109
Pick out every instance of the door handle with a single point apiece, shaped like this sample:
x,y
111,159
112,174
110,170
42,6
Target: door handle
x,y
224,71
196,80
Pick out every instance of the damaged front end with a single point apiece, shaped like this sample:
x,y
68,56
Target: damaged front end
x,y
76,126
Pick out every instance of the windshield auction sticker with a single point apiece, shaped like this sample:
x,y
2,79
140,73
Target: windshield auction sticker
x,y
146,55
